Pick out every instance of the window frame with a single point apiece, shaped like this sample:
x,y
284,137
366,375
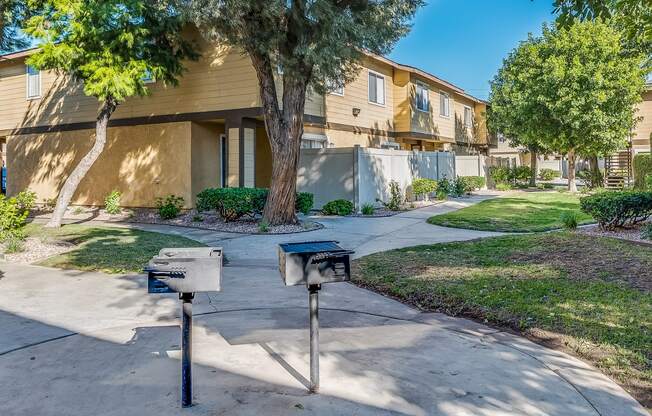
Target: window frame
x,y
40,84
470,125
448,99
335,92
376,75
416,97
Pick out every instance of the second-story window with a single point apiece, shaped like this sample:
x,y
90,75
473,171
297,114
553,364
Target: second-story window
x,y
376,88
468,117
33,82
423,102
444,105
334,89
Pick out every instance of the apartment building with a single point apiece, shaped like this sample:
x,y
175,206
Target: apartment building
x,y
209,130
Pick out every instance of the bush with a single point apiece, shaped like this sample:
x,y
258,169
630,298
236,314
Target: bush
x,y
503,187
648,182
642,168
501,174
395,197
26,200
14,244
618,208
646,232
460,186
169,207
112,202
522,173
304,202
442,195
13,214
548,174
570,219
423,187
263,226
338,207
368,209
233,203
474,182
444,186
49,204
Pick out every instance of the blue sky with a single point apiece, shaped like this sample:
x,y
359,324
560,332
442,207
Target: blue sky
x,y
465,41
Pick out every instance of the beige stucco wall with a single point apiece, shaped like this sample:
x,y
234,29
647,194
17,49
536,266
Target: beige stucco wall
x,y
205,156
142,162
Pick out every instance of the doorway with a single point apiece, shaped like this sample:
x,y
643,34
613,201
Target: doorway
x,y
223,161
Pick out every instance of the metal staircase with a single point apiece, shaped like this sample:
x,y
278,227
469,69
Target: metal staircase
x,y
618,170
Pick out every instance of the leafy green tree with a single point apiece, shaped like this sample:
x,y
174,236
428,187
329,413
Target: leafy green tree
x,y
572,89
317,43
12,14
112,46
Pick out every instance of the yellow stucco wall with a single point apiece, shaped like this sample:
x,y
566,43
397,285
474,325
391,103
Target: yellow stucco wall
x,y
205,156
142,162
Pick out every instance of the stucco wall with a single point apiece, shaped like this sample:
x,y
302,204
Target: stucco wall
x,y
142,162
205,157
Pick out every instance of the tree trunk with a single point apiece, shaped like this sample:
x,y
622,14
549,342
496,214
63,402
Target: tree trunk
x,y
533,166
70,186
284,130
597,180
572,187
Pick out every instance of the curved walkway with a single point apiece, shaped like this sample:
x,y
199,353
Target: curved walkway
x,y
77,343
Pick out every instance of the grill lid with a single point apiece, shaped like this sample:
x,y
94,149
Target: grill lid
x,y
312,247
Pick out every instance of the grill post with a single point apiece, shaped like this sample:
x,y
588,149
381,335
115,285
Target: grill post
x,y
314,337
186,349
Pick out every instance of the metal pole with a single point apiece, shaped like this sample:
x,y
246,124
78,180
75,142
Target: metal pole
x,y
314,337
186,350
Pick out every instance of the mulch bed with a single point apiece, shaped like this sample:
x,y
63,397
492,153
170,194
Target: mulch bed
x,y
631,233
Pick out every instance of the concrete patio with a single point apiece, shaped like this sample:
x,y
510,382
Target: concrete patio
x,y
78,343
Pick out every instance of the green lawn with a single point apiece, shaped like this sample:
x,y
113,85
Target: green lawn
x,y
520,212
106,249
590,296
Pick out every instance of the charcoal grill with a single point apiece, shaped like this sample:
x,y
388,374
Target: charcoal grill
x,y
185,271
313,263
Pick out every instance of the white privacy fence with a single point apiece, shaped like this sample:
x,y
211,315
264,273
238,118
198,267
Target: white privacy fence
x,y
362,175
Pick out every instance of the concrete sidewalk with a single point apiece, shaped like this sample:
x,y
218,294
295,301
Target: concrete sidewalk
x,y
78,343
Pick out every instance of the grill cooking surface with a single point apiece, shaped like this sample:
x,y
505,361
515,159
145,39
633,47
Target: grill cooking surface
x,y
311,247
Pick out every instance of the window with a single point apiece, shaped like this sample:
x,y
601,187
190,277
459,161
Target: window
x,y
334,89
423,103
148,78
33,82
444,105
468,117
314,141
376,88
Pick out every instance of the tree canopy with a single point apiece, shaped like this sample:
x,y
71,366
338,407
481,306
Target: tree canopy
x,y
571,89
12,14
113,46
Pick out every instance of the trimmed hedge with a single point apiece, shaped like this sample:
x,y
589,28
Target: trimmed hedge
x,y
642,168
234,203
423,186
618,208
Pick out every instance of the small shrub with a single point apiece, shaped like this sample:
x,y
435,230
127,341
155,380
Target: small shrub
x,y
338,207
78,211
442,195
618,208
642,168
48,204
26,200
422,187
263,226
304,202
474,182
395,197
569,220
459,186
648,182
444,186
197,218
368,209
169,207
501,174
12,218
646,232
522,174
14,244
548,174
112,202
503,187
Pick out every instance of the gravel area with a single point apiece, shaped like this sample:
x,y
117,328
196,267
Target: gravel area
x,y
35,249
211,221
631,233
